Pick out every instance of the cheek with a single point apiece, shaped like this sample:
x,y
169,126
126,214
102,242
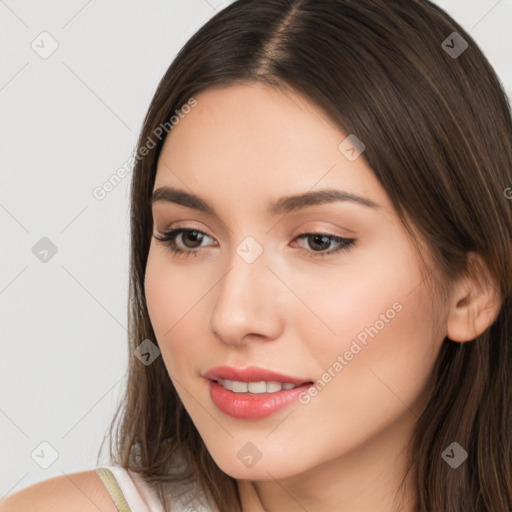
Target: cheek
x,y
359,298
172,301
364,388
158,295
169,295
375,351
379,367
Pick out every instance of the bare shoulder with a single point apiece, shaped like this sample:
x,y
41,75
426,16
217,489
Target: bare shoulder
x,y
80,492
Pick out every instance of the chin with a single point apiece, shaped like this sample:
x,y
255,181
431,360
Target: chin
x,y
264,469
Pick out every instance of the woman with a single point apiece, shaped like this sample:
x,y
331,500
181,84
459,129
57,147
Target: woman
x,y
321,269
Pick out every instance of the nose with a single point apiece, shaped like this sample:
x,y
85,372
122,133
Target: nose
x,y
249,302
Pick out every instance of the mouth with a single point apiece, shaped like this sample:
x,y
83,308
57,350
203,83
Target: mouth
x,y
253,392
253,400
253,379
257,387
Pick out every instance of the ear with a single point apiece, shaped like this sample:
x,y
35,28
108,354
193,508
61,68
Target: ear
x,y
475,303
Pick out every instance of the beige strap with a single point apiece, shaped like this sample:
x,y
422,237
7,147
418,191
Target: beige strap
x,y
113,488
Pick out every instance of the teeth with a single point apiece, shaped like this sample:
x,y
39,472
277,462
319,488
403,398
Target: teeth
x,y
227,384
239,387
254,387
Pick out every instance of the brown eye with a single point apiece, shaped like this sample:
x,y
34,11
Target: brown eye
x,y
190,239
319,242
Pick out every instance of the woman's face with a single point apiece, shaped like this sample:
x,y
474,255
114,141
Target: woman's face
x,y
251,291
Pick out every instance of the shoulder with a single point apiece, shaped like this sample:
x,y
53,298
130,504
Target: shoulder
x,y
80,492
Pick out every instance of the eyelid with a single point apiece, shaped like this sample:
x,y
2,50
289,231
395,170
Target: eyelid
x,y
188,226
333,229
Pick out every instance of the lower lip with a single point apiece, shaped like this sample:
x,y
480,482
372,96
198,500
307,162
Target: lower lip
x,y
251,406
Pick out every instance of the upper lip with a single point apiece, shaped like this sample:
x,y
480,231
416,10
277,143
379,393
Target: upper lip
x,y
251,374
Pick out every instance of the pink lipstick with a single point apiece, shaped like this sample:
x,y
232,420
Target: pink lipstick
x,y
253,392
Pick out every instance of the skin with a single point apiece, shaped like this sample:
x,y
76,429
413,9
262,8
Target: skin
x,y
239,148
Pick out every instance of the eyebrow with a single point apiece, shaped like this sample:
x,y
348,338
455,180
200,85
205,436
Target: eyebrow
x,y
282,205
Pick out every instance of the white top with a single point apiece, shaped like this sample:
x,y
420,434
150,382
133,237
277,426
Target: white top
x,y
141,498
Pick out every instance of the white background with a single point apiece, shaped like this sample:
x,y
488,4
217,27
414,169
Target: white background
x,y
68,123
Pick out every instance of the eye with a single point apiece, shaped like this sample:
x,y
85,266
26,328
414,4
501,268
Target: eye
x,y
323,239
194,237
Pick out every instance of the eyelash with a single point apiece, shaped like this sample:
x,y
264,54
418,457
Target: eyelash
x,y
169,239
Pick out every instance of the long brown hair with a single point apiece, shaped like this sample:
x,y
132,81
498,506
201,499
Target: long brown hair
x,y
438,134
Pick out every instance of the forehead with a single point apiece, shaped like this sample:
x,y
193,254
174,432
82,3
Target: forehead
x,y
264,120
257,140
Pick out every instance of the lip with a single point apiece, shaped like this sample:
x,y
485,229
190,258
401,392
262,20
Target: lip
x,y
252,406
252,374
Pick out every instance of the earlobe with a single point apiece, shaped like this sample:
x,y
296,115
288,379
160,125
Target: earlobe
x,y
475,303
